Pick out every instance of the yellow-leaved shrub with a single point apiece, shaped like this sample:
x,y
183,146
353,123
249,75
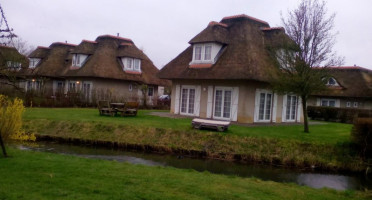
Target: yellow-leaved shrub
x,y
11,119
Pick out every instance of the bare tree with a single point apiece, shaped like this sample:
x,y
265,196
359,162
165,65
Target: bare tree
x,y
22,46
303,69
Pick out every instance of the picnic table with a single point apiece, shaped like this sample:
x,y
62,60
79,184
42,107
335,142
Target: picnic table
x,y
112,109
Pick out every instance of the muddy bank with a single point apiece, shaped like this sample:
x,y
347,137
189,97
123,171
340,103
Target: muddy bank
x,y
243,158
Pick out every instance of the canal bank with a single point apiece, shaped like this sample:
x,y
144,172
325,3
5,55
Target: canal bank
x,y
312,179
40,175
290,153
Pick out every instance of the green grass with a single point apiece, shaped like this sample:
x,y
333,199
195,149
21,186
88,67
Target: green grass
x,y
326,147
37,175
327,133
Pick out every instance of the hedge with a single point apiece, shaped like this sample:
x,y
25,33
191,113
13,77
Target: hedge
x,y
344,115
362,136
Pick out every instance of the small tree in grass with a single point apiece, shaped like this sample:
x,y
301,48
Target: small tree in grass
x,y
310,27
11,121
144,90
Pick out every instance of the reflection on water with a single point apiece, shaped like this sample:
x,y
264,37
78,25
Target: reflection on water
x,y
314,180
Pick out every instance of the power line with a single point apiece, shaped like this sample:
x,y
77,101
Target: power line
x,y
10,35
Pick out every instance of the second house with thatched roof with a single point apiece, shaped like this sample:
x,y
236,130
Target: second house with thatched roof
x,y
224,74
110,68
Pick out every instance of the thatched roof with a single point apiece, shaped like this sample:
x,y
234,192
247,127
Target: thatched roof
x,y
245,55
55,60
11,54
354,82
85,47
40,52
103,61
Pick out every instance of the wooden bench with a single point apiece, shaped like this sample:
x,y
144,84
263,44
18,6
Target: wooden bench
x,y
198,123
130,109
105,109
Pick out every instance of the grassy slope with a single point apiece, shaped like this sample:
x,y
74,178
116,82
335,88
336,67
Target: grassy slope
x,y
331,133
286,145
36,175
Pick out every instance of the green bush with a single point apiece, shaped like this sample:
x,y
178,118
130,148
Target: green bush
x,y
344,115
362,136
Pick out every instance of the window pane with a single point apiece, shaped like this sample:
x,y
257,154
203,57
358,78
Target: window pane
x,y
191,101
129,63
227,104
324,103
150,92
332,103
137,64
268,107
293,107
198,50
218,104
288,111
184,100
262,106
208,50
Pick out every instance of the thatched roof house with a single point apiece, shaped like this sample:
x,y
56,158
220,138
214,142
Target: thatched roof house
x,y
11,58
349,86
223,74
243,55
110,64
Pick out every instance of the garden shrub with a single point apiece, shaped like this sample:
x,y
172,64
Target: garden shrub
x,y
344,115
362,136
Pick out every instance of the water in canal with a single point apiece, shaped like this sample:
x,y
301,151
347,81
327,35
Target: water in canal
x,y
311,179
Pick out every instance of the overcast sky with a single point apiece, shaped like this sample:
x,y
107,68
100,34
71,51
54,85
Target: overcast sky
x,y
163,28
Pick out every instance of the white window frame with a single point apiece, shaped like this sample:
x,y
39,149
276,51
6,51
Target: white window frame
x,y
266,92
223,89
348,104
334,80
188,87
131,64
84,91
203,52
130,87
328,102
355,105
290,107
78,59
34,62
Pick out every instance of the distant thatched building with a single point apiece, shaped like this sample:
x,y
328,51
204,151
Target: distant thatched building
x,y
224,74
110,68
348,87
11,63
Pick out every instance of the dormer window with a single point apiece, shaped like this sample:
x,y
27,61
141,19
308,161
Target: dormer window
x,y
14,65
34,62
205,53
131,64
332,82
78,59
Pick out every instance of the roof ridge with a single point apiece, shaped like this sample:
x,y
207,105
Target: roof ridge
x,y
10,47
89,41
42,47
63,43
214,23
244,16
349,67
115,37
272,28
126,44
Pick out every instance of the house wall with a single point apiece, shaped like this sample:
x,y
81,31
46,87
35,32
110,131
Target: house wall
x,y
246,101
362,103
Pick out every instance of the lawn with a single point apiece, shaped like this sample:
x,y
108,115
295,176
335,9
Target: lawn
x,y
327,133
326,147
37,175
